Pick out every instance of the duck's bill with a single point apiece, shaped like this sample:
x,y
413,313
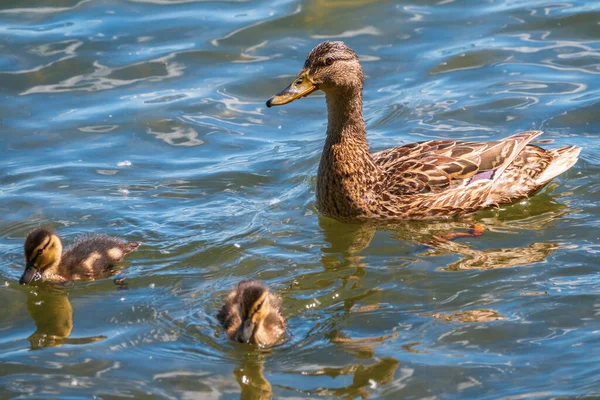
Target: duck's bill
x,y
28,275
302,86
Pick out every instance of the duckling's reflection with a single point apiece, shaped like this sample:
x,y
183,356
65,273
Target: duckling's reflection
x,y
364,376
252,381
52,314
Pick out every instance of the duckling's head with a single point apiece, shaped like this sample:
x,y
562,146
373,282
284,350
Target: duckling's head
x,y
43,250
331,67
253,303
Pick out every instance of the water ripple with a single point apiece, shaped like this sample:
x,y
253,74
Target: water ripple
x,y
145,119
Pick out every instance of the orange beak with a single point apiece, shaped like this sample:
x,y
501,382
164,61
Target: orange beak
x,y
301,86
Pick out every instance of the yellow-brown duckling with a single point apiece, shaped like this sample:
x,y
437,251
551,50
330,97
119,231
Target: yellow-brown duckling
x,y
423,180
86,260
252,314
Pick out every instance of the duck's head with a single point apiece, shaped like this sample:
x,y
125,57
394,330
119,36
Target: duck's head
x,y
331,66
43,250
253,303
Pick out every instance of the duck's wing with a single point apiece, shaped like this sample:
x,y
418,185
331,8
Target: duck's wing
x,y
438,165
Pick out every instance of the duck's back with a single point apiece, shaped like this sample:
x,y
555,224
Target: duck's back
x,y
94,256
445,178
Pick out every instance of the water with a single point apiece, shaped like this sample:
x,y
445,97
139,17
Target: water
x,y
146,120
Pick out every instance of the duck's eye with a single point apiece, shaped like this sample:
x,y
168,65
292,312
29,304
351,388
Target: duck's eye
x,y
39,252
329,61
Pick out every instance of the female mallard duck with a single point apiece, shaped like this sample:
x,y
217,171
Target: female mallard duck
x,y
87,259
252,314
432,179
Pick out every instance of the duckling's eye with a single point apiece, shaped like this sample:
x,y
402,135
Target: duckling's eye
x,y
329,61
39,252
259,306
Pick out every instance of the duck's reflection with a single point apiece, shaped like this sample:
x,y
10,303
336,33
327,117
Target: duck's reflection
x,y
439,238
52,314
498,258
252,381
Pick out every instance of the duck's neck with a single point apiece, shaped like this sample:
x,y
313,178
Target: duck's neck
x,y
345,121
347,173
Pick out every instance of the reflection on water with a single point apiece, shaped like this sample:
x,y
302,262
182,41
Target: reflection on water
x,y
481,315
498,258
446,238
363,347
363,377
174,135
250,376
52,314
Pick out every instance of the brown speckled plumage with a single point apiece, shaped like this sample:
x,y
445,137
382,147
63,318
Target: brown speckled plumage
x,y
251,303
432,179
88,259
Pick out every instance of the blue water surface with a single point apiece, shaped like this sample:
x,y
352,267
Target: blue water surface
x,y
146,119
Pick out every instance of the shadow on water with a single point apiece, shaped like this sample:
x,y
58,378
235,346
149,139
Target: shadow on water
x,y
52,314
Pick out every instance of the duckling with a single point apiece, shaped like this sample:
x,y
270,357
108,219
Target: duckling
x,y
434,179
252,314
86,260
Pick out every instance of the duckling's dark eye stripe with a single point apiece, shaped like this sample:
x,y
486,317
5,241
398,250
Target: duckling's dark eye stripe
x,y
257,307
37,253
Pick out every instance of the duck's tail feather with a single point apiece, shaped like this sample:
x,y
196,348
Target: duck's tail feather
x,y
564,158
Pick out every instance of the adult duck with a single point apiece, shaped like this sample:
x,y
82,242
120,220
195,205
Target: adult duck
x,y
424,180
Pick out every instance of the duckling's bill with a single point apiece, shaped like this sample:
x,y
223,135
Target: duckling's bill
x,y
29,274
300,87
245,332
